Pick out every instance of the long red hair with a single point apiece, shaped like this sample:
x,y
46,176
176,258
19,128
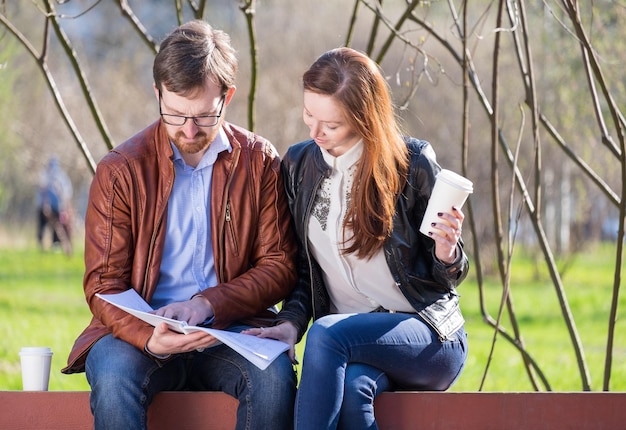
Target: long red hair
x,y
355,81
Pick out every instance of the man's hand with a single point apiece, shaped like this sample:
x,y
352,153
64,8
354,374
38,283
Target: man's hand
x,y
194,311
164,341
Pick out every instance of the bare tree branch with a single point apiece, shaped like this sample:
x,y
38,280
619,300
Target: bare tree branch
x,y
594,72
82,79
248,7
352,23
52,86
128,13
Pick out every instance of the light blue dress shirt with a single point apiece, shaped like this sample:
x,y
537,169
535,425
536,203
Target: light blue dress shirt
x,y
188,266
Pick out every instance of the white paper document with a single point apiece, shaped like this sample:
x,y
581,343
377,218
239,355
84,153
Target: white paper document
x,y
259,351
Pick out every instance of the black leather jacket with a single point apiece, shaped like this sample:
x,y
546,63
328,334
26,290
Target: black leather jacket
x,y
428,284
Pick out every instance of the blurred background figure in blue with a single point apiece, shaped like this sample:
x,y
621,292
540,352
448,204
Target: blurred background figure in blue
x,y
54,207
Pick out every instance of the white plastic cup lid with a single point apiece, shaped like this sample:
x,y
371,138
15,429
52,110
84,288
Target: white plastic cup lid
x,y
35,350
456,180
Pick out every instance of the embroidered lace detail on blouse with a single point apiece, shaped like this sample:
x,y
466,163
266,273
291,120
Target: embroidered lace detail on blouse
x,y
322,202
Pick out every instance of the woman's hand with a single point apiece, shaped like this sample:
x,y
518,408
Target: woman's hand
x,y
446,234
284,331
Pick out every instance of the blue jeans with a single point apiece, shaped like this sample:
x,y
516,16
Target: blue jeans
x,y
350,358
124,381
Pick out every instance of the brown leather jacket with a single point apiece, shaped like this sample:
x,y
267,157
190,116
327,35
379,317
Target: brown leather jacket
x,y
253,243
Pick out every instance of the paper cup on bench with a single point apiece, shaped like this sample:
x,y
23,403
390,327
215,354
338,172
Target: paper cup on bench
x,y
450,190
35,362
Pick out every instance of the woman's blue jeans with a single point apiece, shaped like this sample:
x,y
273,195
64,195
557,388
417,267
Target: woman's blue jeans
x,y
351,358
124,381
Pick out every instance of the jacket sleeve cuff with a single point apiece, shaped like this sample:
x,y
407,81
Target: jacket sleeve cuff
x,y
450,271
153,355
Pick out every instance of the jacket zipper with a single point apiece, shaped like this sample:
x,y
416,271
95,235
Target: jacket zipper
x,y
306,243
226,217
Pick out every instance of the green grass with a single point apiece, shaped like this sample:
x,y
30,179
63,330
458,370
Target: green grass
x,y
588,283
42,304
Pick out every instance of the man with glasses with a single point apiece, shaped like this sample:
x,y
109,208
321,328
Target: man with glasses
x,y
190,213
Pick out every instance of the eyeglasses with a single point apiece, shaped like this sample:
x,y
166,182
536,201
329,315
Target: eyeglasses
x,y
200,121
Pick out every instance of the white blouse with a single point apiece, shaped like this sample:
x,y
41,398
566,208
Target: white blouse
x,y
355,285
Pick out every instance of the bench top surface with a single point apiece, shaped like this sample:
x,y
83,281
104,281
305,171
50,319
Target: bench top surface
x,y
69,410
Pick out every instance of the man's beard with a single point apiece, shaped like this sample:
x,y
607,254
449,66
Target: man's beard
x,y
200,142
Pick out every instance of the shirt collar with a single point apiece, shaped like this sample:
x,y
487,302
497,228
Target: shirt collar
x,y
344,161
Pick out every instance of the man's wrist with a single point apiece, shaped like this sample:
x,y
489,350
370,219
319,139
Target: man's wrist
x,y
199,295
160,357
207,303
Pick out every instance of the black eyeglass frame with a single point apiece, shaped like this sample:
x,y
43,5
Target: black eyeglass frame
x,y
193,118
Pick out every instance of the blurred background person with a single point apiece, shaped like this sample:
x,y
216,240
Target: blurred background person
x,y
54,208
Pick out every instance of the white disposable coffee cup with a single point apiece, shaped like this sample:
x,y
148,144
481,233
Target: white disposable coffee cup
x,y
35,362
450,190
